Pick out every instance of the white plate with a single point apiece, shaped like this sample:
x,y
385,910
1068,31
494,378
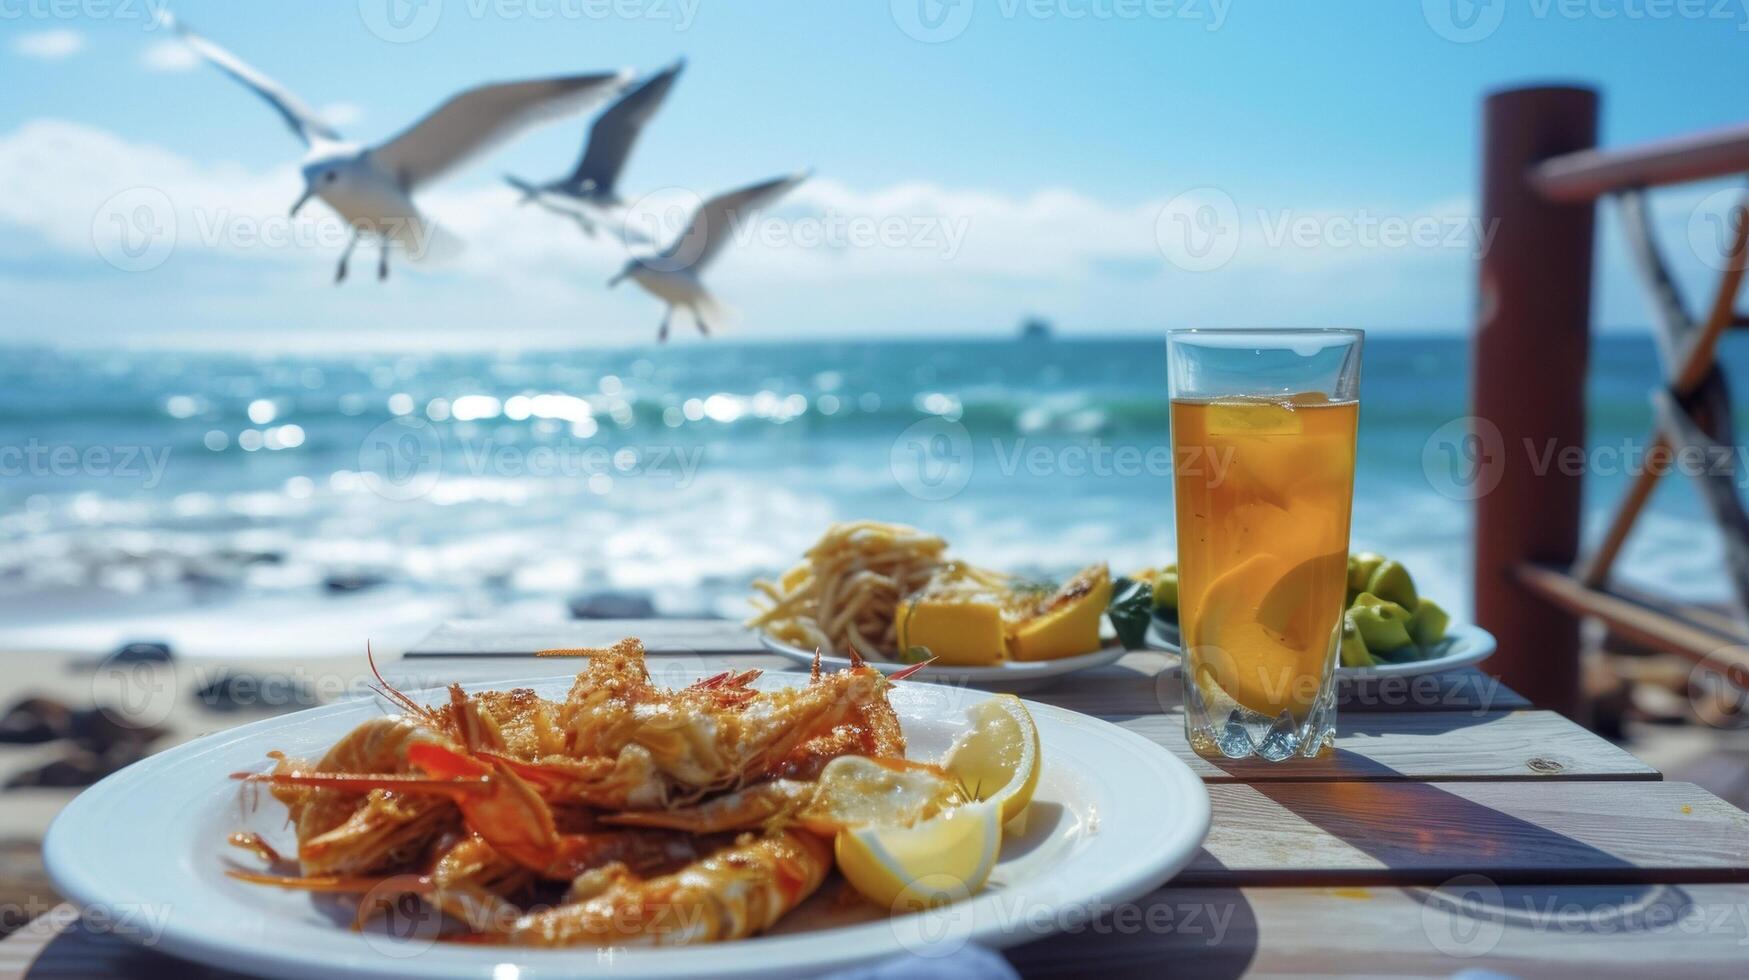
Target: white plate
x,y
1464,644
1012,675
1113,818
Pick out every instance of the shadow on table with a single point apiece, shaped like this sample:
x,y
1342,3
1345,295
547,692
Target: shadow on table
x,y
81,952
1214,928
1473,915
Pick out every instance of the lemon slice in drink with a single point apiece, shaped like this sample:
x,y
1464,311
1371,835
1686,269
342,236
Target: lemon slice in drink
x,y
940,860
997,760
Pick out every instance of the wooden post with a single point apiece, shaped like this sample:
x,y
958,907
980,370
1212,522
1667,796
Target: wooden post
x,y
1532,339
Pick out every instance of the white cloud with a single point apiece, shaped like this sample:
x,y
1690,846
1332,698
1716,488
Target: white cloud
x,y
49,45
909,258
168,55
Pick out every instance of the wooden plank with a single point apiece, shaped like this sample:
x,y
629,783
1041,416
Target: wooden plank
x,y
1436,745
1513,832
1610,930
1142,681
1586,175
1639,623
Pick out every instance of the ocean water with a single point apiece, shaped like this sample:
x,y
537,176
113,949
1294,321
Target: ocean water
x,y
239,505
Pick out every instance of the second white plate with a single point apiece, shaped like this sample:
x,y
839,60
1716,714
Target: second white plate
x,y
1013,675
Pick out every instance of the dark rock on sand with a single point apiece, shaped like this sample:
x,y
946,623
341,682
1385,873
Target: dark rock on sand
x,y
613,605
352,581
141,652
33,721
80,766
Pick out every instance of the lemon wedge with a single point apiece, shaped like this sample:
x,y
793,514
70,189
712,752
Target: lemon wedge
x,y
936,861
856,790
997,760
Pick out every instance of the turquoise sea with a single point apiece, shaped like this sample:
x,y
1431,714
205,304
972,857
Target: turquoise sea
x,y
239,504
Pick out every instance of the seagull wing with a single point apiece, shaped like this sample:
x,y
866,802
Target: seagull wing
x,y
714,223
612,136
301,118
476,120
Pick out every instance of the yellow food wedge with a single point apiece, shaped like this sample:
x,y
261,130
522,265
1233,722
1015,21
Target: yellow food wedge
x,y
856,790
997,760
956,630
1067,623
937,861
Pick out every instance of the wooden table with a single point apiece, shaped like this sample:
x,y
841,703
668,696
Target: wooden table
x,y
1454,827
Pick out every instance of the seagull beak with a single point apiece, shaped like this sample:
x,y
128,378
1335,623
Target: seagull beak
x,y
308,193
615,280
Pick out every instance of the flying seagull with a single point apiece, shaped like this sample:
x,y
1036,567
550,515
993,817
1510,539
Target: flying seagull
x,y
371,187
672,275
592,189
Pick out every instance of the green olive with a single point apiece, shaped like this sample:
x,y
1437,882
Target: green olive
x,y
1360,569
1427,625
1383,624
1354,652
1391,582
1166,588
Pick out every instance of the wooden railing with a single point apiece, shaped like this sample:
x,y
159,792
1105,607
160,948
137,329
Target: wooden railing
x,y
1542,177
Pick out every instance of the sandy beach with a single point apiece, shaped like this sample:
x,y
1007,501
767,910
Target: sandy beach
x,y
183,700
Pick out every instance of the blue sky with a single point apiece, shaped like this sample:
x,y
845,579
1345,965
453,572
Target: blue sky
x,y
1050,134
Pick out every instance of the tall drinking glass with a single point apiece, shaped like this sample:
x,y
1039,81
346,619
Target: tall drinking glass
x,y
1263,440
